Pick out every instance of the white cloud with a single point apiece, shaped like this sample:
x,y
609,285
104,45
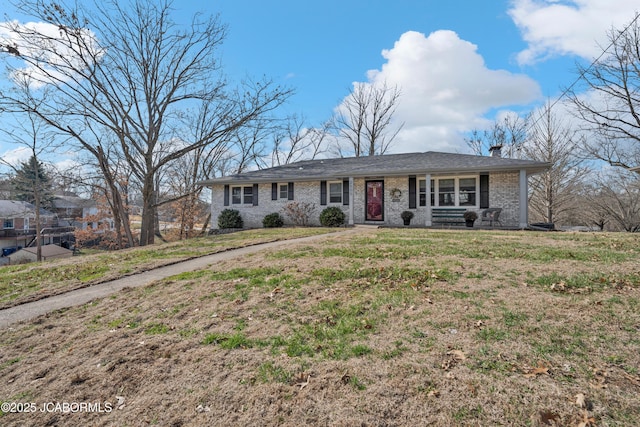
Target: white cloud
x,y
568,27
48,46
446,89
16,156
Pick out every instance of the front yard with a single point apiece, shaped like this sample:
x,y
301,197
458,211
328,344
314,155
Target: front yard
x,y
385,327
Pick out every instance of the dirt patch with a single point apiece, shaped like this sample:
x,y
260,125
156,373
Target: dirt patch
x,y
376,329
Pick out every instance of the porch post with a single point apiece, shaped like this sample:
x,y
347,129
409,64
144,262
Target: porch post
x,y
427,184
524,199
352,200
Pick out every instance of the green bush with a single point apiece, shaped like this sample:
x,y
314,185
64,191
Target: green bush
x,y
273,220
332,217
230,218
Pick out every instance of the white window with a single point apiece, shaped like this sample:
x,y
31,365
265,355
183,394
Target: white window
x,y
335,192
467,191
247,193
423,192
236,195
447,192
450,192
284,191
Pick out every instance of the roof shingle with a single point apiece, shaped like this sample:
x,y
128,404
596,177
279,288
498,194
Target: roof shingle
x,y
385,165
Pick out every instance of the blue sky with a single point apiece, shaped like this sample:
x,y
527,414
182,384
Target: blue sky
x,y
459,63
322,50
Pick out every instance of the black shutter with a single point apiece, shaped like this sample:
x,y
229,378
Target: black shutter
x,y
345,192
274,191
290,191
255,194
412,192
323,193
226,195
484,191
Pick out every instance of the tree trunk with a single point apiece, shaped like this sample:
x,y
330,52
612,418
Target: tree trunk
x,y
38,226
147,229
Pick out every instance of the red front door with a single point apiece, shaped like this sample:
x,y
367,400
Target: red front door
x,y
375,201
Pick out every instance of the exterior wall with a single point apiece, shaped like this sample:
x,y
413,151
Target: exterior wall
x,y
504,190
503,193
392,207
308,192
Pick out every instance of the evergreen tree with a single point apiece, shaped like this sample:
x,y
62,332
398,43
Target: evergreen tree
x,y
32,178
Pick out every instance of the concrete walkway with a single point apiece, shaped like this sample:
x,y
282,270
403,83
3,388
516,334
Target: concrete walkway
x,y
34,309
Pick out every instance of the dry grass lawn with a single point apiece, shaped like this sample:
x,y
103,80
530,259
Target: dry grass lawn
x,y
388,327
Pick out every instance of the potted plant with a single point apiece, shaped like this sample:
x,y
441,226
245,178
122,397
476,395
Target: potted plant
x,y
470,217
406,217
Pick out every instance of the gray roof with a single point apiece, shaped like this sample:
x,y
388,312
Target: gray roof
x,y
18,209
49,250
71,202
386,165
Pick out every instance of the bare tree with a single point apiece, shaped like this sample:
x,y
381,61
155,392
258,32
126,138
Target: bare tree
x,y
29,131
616,195
294,141
553,192
508,133
611,106
364,120
127,72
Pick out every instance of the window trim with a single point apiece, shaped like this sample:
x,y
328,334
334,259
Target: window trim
x,y
435,192
283,191
330,195
7,221
236,199
245,192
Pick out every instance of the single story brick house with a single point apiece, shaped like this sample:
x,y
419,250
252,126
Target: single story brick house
x,y
18,222
377,189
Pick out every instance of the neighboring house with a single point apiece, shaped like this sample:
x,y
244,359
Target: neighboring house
x,y
74,211
376,189
18,223
49,252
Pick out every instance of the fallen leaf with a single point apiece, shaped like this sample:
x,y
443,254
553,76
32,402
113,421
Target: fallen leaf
x,y
635,380
457,354
534,372
549,418
587,421
120,403
580,400
433,393
302,382
200,409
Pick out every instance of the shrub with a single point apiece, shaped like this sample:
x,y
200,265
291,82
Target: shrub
x,y
272,220
406,215
470,215
332,217
299,212
230,218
